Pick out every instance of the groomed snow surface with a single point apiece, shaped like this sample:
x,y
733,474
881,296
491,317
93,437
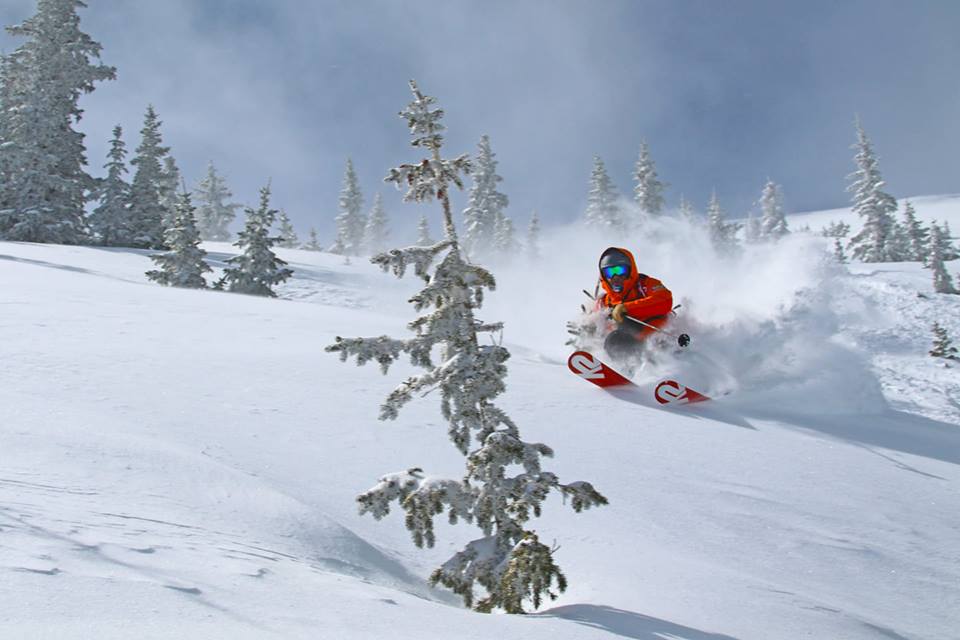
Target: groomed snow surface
x,y
183,464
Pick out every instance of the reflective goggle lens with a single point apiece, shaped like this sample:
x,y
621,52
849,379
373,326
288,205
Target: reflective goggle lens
x,y
616,270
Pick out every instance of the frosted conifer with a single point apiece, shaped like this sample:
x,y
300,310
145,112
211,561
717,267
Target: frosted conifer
x,y
838,253
169,198
949,248
183,265
871,203
350,220
533,237
603,212
288,235
506,561
313,244
648,192
377,230
504,239
215,212
773,222
484,212
257,269
146,209
723,235
110,222
836,230
687,213
942,344
42,160
423,233
917,235
942,282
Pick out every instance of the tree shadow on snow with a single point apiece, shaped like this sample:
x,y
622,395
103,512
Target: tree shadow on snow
x,y
628,624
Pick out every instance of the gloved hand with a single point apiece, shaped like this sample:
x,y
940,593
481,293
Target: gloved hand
x,y
618,313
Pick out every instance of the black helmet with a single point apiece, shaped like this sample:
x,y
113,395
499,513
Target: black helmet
x,y
612,257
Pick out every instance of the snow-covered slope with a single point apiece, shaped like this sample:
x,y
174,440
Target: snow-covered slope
x,y
942,208
184,463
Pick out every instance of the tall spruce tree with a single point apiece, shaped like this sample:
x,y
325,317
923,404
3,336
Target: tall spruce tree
x,y
773,222
485,205
919,237
350,221
288,236
423,232
42,158
648,192
871,203
723,235
942,282
215,212
110,221
377,231
603,212
257,270
507,561
533,237
183,265
147,211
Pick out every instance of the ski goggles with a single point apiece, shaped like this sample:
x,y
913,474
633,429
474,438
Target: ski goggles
x,y
616,270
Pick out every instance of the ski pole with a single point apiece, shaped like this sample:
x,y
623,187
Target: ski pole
x,y
683,339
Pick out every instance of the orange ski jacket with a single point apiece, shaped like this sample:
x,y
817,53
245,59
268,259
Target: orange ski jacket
x,y
643,296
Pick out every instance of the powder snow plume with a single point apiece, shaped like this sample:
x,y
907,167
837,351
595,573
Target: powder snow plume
x,y
765,315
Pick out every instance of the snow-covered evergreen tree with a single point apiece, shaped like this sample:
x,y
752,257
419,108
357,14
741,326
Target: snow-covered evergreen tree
x,y
648,192
838,252
146,209
603,212
42,159
183,265
257,270
723,235
170,181
507,561
871,203
350,221
533,237
942,344
288,236
215,212
423,233
836,229
377,231
918,237
950,251
110,221
504,238
687,213
942,282
314,243
485,205
773,222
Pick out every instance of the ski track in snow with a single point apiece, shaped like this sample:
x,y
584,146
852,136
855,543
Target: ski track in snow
x,y
184,463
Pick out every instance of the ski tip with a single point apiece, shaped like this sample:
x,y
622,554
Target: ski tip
x,y
672,392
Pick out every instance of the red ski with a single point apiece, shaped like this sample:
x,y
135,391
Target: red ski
x,y
592,369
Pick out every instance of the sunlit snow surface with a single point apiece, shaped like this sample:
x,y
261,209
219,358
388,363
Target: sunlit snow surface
x,y
184,464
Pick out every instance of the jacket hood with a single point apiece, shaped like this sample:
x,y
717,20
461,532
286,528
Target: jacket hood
x,y
629,284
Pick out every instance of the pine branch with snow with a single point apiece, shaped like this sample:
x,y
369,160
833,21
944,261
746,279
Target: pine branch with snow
x,y
183,265
469,375
257,270
215,212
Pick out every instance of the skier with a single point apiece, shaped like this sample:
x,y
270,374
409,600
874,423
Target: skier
x,y
630,296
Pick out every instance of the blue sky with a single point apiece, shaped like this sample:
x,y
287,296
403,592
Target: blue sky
x,y
726,94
